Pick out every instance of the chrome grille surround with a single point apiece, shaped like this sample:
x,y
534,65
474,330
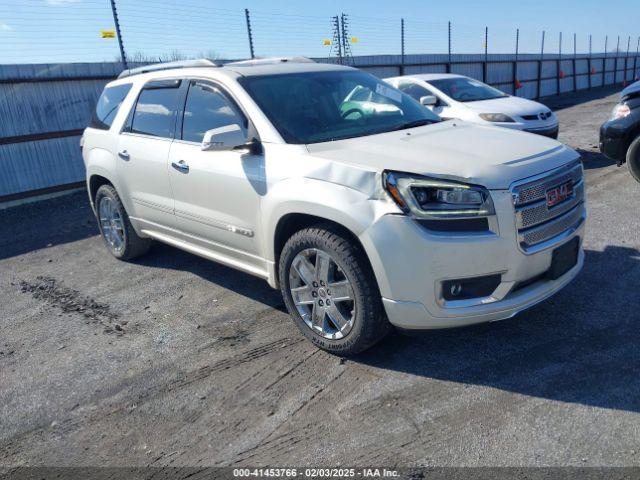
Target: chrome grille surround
x,y
537,225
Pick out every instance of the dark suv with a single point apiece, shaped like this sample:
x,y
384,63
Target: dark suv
x,y
620,135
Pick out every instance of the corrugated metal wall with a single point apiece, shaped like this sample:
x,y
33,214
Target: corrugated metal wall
x,y
43,108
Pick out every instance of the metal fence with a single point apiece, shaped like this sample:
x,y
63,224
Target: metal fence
x,y
46,96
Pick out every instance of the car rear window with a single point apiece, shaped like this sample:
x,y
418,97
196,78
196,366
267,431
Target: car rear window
x,y
108,106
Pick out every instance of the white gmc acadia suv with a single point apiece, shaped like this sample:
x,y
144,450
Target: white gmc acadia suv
x,y
362,206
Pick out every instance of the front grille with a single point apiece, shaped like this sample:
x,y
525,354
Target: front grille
x,y
530,117
536,222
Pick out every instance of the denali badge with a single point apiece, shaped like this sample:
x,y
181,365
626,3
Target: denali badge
x,y
559,194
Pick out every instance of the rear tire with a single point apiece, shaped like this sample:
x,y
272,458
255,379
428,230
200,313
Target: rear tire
x,y
117,232
346,320
633,159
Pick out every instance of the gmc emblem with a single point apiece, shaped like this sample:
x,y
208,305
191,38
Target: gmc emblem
x,y
559,194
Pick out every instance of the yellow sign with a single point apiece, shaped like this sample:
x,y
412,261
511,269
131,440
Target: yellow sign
x,y
108,33
354,39
326,42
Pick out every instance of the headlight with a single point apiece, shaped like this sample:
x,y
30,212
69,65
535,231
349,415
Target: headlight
x,y
621,110
496,117
434,199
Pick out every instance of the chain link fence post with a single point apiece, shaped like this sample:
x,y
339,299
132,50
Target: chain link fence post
x,y
116,21
575,54
485,65
626,60
515,63
635,61
604,61
402,46
589,62
540,62
249,32
449,49
559,72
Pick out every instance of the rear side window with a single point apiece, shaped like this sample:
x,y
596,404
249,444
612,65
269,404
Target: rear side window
x,y
208,108
108,105
155,111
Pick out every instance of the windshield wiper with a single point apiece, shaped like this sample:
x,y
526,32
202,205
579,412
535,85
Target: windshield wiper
x,y
415,123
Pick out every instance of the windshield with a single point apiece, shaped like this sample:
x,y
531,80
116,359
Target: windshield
x,y
314,107
463,89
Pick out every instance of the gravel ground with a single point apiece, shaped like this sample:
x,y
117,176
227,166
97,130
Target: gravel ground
x,y
176,361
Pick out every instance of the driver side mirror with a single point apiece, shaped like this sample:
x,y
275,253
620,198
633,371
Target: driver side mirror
x,y
429,100
223,138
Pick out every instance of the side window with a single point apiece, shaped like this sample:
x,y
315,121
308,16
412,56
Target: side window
x,y
155,111
208,108
108,105
416,91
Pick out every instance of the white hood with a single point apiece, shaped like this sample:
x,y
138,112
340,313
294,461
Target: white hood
x,y
484,155
507,105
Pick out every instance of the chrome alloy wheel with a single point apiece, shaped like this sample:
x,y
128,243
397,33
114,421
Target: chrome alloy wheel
x,y
322,294
111,223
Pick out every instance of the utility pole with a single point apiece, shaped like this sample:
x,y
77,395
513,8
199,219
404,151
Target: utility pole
x,y
114,11
337,38
249,32
346,38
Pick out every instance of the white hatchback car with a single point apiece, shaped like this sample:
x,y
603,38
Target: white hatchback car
x,y
457,96
365,209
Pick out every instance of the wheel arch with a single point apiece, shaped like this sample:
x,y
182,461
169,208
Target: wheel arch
x,y
94,183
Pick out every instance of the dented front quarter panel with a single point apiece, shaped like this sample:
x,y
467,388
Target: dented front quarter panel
x,y
301,183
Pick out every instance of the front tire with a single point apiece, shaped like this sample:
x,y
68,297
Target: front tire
x,y
633,159
117,232
330,291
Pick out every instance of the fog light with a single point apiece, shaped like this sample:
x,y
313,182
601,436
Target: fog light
x,y
468,288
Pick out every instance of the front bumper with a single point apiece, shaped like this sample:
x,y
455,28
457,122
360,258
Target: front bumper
x,y
411,263
548,128
551,132
614,140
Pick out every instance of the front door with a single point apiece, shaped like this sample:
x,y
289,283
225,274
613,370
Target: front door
x,y
217,193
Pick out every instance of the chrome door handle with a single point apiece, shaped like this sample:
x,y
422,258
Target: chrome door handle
x,y
124,155
181,166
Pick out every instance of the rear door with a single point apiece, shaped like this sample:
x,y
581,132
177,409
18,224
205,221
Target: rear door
x,y
217,193
143,152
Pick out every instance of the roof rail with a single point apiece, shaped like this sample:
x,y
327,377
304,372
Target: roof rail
x,y
269,61
202,62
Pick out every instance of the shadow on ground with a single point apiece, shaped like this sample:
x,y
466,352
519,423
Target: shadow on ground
x,y
46,223
593,159
166,257
581,346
